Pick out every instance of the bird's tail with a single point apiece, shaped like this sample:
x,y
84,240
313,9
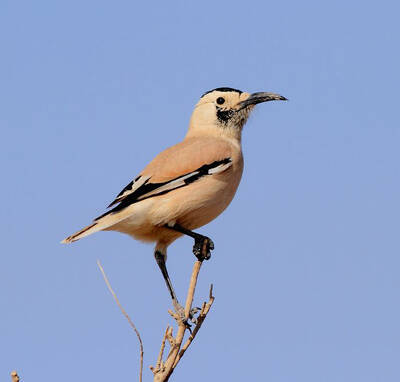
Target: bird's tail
x,y
101,223
92,228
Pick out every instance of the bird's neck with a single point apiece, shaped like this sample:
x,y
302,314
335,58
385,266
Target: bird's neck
x,y
228,133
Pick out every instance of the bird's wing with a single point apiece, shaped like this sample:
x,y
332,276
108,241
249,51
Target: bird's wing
x,y
130,188
174,168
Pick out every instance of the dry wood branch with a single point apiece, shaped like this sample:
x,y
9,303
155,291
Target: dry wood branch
x,y
159,364
126,316
162,373
200,319
14,376
170,337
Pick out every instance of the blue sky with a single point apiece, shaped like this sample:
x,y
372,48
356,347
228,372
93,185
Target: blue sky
x,y
306,265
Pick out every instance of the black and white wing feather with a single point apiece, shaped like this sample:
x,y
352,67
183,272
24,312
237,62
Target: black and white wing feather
x,y
142,188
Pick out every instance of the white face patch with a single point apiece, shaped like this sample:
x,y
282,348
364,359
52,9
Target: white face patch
x,y
220,113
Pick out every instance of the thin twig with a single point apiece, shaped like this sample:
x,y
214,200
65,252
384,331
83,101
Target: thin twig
x,y
170,338
126,316
160,355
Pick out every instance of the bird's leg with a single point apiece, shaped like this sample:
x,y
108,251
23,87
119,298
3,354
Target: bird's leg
x,y
160,258
203,245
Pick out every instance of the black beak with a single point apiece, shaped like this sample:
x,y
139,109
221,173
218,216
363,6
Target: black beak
x,y
259,97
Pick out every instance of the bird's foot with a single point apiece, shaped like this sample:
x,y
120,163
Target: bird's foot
x,y
192,314
202,248
180,312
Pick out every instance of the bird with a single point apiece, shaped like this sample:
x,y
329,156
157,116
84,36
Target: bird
x,y
187,185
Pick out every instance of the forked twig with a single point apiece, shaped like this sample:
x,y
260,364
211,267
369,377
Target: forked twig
x,y
126,316
163,369
176,352
200,319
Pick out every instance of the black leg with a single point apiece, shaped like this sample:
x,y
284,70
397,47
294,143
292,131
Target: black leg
x,y
160,258
203,245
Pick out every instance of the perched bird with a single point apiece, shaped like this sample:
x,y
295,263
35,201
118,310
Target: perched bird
x,y
187,185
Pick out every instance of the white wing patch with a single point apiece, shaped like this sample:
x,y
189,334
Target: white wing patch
x,y
220,168
130,188
176,183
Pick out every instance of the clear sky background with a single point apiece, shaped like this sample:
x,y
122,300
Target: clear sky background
x,y
306,265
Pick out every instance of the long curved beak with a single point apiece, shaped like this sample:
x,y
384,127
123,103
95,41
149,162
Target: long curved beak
x,y
259,97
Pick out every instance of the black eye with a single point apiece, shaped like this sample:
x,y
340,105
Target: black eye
x,y
220,100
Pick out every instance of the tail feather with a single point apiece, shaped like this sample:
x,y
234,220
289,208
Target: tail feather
x,y
92,228
98,225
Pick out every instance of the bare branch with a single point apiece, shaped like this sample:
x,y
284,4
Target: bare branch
x,y
170,338
200,319
126,316
159,363
176,352
164,368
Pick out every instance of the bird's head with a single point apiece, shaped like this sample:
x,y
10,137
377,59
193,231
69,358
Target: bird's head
x,y
224,111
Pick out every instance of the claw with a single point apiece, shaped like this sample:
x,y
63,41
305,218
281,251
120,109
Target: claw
x,y
202,248
180,312
192,314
